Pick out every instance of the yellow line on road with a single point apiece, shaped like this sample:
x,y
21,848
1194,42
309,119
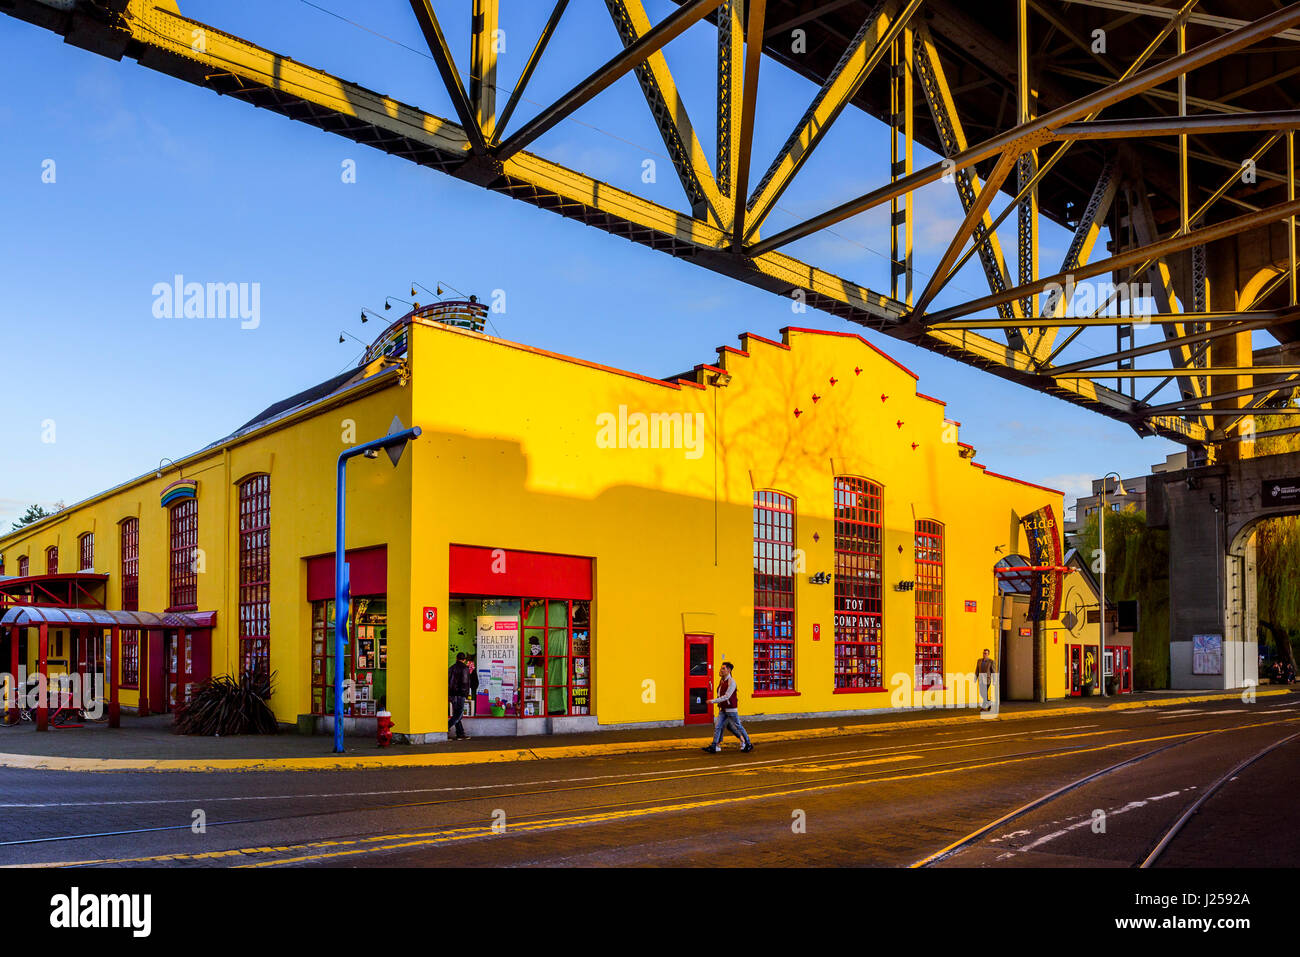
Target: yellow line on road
x,y
375,843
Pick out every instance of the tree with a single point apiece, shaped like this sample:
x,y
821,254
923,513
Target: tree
x,y
1137,568
35,513
1277,557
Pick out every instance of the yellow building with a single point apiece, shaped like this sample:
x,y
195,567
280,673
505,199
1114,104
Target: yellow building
x,y
598,540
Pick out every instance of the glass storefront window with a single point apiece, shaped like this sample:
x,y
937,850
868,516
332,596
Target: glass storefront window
x,y
365,655
549,670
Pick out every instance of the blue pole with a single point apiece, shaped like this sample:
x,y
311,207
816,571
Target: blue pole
x,y
342,581
340,602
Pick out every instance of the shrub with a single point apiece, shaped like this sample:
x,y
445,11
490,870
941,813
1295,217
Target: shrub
x,y
224,706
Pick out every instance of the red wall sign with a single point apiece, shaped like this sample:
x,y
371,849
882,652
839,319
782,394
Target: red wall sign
x,y
970,606
817,632
430,618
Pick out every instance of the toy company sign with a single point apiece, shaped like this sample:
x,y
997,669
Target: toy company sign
x,y
1281,492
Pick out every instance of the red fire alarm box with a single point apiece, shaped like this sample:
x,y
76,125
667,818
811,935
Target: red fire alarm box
x,y
430,618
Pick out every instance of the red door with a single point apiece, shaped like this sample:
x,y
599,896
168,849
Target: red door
x,y
193,662
155,670
699,679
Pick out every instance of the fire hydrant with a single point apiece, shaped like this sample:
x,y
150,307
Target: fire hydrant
x,y
385,728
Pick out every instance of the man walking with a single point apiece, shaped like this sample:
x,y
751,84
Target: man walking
x,y
728,702
984,671
458,688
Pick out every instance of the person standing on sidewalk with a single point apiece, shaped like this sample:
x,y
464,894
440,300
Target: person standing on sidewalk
x,y
984,671
728,702
458,689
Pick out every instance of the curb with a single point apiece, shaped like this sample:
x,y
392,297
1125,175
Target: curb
x,y
36,762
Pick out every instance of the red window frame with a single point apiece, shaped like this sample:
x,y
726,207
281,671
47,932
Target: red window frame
x,y
1121,667
129,551
859,591
52,560
322,651
86,549
24,566
928,592
774,515
571,619
255,574
184,539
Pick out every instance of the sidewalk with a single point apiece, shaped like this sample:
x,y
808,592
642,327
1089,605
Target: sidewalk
x,y
147,744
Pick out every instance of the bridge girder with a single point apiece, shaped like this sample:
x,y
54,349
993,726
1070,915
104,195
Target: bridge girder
x,y
721,229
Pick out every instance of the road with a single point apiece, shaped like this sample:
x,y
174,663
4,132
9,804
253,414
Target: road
x,y
883,799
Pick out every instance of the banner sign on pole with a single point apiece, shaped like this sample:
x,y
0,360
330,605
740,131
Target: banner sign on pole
x,y
1044,551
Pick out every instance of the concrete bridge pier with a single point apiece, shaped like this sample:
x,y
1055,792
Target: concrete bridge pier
x,y
1212,610
1212,513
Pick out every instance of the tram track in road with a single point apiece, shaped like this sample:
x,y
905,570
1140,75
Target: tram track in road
x,y
834,760
591,812
1177,827
1153,849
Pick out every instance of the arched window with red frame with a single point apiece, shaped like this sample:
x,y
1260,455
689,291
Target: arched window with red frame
x,y
773,593
128,532
24,566
86,550
928,591
129,550
183,545
859,562
52,560
255,573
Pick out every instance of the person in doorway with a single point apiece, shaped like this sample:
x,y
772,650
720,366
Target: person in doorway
x,y
728,702
458,689
984,671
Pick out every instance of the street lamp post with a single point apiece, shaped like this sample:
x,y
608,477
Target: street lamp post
x,y
393,443
1101,545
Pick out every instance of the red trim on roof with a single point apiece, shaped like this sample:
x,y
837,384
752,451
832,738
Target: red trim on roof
x,y
753,335
732,350
690,382
952,421
977,465
963,444
709,368
852,335
922,395
1009,478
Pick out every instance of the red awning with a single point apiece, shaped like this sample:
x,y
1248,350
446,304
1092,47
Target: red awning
x,y
23,615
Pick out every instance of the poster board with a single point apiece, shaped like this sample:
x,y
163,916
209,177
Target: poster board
x,y
497,657
1207,654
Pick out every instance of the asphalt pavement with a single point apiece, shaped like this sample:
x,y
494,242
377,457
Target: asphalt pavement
x,y
876,795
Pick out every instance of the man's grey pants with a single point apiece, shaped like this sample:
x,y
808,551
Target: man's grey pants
x,y
984,681
729,719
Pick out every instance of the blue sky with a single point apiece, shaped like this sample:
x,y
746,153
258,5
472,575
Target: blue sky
x,y
154,177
